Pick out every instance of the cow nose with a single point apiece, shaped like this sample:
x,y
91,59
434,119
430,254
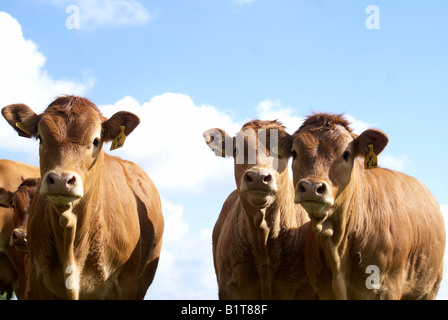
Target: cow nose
x,y
312,190
18,237
61,181
262,178
258,179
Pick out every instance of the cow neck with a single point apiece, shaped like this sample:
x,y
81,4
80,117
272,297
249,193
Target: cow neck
x,y
264,224
74,217
334,237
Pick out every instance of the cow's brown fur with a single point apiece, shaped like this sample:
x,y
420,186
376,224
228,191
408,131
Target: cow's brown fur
x,y
258,250
13,273
378,217
104,242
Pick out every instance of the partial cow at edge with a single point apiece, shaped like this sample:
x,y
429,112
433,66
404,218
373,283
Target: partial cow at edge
x,y
13,262
378,233
95,228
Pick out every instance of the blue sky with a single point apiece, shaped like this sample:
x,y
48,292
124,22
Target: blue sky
x,y
187,66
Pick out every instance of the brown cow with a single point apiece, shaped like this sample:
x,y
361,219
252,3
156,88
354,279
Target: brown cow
x,y
259,237
378,234
95,229
12,262
20,201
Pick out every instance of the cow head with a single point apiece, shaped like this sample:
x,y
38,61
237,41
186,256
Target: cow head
x,y
71,133
20,201
324,151
260,171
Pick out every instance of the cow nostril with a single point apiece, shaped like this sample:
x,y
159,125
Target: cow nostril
x,y
302,188
248,179
50,180
71,181
321,189
267,178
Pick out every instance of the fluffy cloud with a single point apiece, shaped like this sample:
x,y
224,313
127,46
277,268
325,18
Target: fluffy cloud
x,y
168,142
275,110
185,268
94,14
23,78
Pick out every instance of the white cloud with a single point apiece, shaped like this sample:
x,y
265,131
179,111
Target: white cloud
x,y
168,143
391,162
271,110
357,125
175,226
185,269
95,14
274,110
23,78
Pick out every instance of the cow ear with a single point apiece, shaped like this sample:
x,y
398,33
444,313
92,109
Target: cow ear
x,y
279,144
284,145
6,198
373,137
22,119
219,142
121,122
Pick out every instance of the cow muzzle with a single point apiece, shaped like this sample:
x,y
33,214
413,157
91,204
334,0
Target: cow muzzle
x,y
62,188
315,196
18,240
259,185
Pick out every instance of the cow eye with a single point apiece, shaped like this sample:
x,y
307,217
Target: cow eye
x,y
96,142
294,154
346,155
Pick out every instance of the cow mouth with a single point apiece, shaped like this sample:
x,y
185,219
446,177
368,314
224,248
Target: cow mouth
x,y
316,210
22,248
60,199
260,197
260,193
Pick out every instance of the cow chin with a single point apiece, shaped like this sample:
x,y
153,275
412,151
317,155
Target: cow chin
x,y
316,210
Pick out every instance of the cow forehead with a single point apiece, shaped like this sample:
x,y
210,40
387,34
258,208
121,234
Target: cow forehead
x,y
323,141
57,127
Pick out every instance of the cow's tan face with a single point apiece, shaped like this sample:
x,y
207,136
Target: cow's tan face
x,y
20,201
69,148
322,165
324,152
71,132
259,172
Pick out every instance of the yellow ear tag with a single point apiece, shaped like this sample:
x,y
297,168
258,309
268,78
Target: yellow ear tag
x,y
371,160
118,141
22,128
